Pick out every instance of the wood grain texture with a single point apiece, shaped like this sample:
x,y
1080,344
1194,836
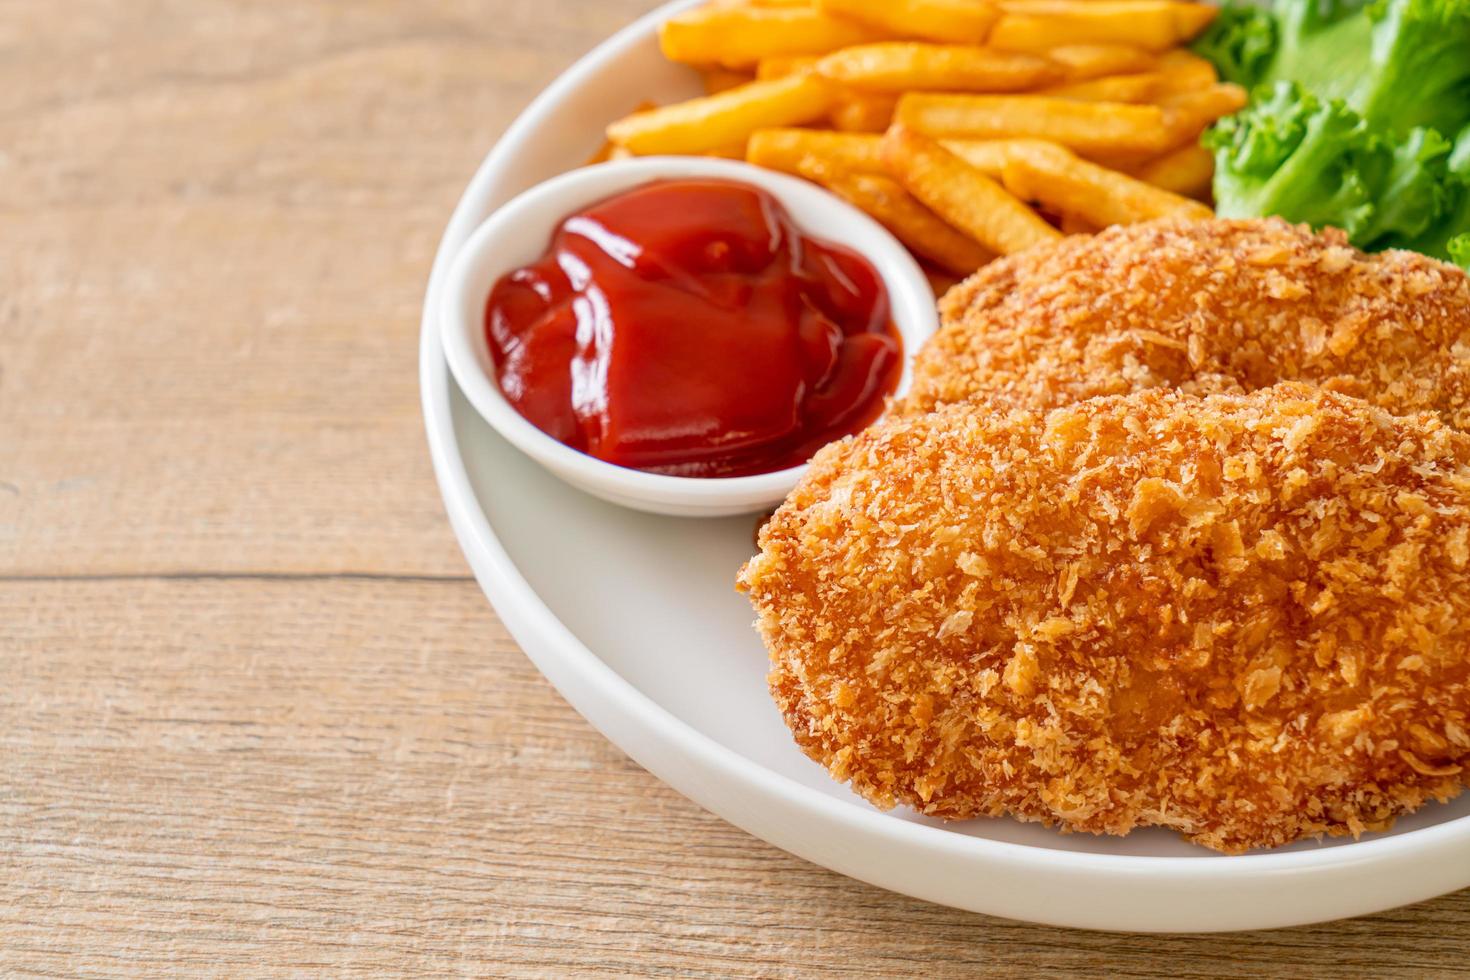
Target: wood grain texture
x,y
254,718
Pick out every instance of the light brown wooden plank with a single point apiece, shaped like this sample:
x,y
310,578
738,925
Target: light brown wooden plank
x,y
225,215
366,778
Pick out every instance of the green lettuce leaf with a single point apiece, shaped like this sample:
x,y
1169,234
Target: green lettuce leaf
x,y
1460,251
1293,155
1241,42
1401,64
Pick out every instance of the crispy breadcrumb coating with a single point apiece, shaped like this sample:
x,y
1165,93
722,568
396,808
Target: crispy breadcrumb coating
x,y
1245,617
1203,306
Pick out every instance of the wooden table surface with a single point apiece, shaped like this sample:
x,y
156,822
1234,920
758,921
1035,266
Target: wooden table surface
x,y
255,717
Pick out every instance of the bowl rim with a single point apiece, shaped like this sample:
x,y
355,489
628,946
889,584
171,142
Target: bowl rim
x,y
486,255
571,665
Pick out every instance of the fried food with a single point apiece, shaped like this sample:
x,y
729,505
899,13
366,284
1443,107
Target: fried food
x,y
740,36
953,21
1204,306
1066,184
962,195
1088,127
731,116
1026,25
1243,617
919,229
907,66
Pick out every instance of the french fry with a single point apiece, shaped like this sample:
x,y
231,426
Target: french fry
x,y
955,21
1187,171
1188,114
717,80
603,154
787,64
731,151
1087,61
990,155
1185,71
741,36
987,156
1110,88
885,199
962,195
610,150
863,112
730,117
1066,184
785,149
1109,127
902,66
1035,25
1072,224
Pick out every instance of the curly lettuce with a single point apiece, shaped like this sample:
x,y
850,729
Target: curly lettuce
x,y
1448,235
1460,251
1241,42
1400,64
1292,154
1411,187
1348,124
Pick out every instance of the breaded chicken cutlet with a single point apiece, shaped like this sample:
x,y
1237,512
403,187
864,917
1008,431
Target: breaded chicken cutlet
x,y
1203,306
1244,617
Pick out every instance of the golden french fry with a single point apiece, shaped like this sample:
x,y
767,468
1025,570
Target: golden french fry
x,y
1110,88
1110,127
863,112
741,36
1062,182
786,64
718,80
958,21
1188,171
610,150
604,152
990,155
731,151
885,199
1072,224
1191,19
1035,25
784,149
905,66
1190,113
962,195
1185,71
987,156
729,117
940,282
1086,61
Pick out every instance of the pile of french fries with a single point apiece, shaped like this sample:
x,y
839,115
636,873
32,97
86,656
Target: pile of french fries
x,y
969,128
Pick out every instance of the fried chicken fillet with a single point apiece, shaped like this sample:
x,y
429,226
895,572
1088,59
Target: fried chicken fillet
x,y
1244,617
1205,306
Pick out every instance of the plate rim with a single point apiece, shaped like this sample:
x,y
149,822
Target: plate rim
x,y
525,615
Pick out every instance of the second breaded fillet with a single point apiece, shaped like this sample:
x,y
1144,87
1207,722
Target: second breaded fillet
x,y
1245,617
1203,306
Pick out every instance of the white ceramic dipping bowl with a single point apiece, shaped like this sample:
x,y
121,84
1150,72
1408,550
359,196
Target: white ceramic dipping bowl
x,y
518,234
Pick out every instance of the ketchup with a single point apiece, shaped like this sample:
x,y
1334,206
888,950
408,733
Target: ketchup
x,y
687,327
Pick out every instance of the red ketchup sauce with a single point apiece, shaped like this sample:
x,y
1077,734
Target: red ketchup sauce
x,y
687,327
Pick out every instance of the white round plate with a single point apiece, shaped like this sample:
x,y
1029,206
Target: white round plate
x,y
635,620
